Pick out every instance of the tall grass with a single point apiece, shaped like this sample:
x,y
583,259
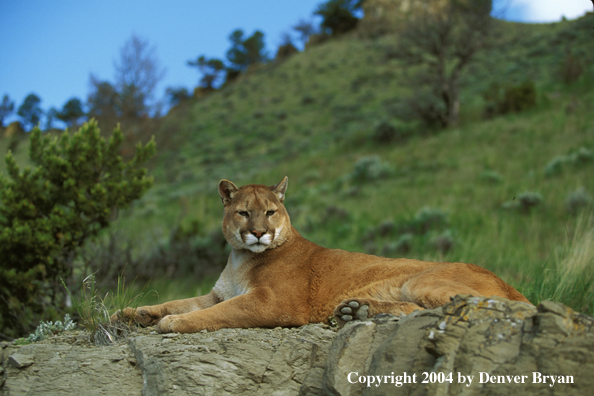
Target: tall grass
x,y
569,276
94,311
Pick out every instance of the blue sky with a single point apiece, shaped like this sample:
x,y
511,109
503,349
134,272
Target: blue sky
x,y
51,47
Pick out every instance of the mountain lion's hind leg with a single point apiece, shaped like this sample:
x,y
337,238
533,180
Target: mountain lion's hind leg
x,y
363,308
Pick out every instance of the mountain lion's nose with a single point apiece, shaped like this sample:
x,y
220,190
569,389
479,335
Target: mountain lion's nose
x,y
258,234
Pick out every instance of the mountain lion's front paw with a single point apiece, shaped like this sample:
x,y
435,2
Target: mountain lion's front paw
x,y
164,325
144,316
175,324
147,316
351,309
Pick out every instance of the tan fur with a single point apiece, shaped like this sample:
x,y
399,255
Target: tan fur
x,y
290,281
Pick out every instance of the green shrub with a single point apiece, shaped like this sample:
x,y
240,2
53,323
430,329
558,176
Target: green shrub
x,y
369,169
402,245
307,99
512,99
444,242
317,39
385,228
510,205
48,212
285,51
335,213
581,156
281,114
386,133
529,200
519,98
422,106
571,69
47,329
427,219
491,177
577,158
401,237
555,166
578,200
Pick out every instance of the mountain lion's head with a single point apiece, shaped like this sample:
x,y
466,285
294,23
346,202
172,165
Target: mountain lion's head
x,y
255,217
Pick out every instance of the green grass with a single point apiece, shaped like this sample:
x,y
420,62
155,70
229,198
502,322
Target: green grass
x,y
441,171
569,274
171,289
95,308
312,118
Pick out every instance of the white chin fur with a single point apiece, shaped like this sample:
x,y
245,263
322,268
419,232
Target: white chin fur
x,y
259,248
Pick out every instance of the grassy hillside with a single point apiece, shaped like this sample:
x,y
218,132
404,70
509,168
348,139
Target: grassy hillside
x,y
452,195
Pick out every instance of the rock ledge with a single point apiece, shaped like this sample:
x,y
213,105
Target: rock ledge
x,y
470,346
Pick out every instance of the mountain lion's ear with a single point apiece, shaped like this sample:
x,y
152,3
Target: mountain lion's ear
x,y
227,191
280,188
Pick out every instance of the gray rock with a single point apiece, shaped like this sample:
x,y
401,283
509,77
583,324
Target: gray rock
x,y
234,361
501,339
20,361
69,370
488,339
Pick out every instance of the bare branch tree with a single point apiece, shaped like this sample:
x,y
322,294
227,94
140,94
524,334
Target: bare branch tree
x,y
138,72
439,41
6,109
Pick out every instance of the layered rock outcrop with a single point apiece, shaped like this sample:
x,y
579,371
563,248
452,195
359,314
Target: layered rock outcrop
x,y
470,346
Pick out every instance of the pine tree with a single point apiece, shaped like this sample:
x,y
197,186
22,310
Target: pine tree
x,y
30,111
211,70
49,211
246,51
72,111
339,15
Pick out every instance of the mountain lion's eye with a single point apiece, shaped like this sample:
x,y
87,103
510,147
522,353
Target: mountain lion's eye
x,y
243,213
270,212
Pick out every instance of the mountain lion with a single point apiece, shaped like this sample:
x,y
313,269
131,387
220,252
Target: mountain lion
x,y
275,277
